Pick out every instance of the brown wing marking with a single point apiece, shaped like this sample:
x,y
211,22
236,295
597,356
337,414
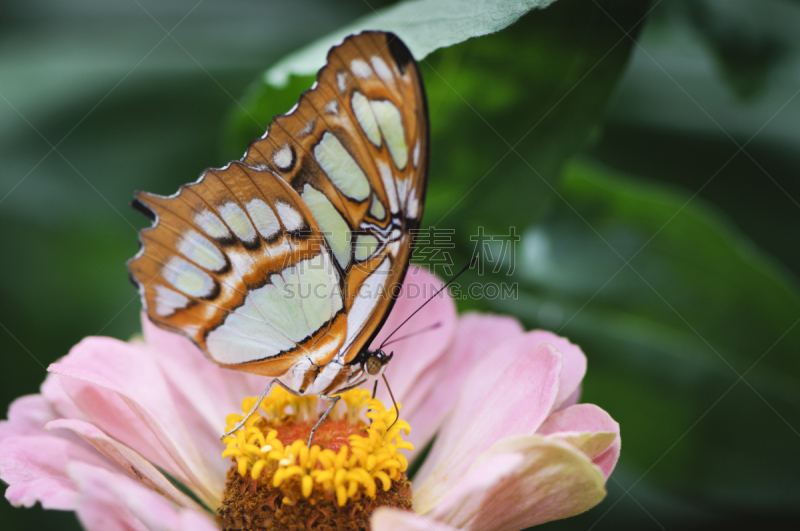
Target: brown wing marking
x,y
194,242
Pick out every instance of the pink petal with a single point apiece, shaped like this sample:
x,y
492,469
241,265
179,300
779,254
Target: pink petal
x,y
521,482
35,469
27,415
492,365
203,393
416,367
503,355
574,365
587,418
385,519
74,398
113,502
123,391
591,443
131,462
206,389
571,400
476,334
62,402
518,401
97,406
415,355
479,333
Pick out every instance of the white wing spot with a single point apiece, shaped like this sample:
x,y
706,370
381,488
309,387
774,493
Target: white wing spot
x,y
365,117
382,70
332,107
368,295
416,154
388,184
341,81
307,129
391,124
341,168
187,278
360,68
264,218
238,221
241,261
211,225
330,222
199,250
167,301
283,158
290,217
402,190
412,209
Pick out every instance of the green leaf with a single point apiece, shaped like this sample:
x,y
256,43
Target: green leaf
x,y
423,25
678,118
669,335
748,39
541,86
508,109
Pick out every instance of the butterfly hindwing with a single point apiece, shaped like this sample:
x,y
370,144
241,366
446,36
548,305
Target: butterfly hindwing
x,y
227,264
293,256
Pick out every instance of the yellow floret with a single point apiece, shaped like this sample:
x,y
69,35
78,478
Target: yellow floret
x,y
357,468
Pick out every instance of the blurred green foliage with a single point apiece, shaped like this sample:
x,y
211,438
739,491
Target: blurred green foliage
x,y
608,133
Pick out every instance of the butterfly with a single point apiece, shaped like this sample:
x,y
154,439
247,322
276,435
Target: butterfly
x,y
287,262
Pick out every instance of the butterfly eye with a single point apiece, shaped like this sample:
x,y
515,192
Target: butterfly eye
x,y
373,365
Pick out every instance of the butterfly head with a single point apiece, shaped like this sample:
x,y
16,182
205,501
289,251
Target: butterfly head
x,y
373,363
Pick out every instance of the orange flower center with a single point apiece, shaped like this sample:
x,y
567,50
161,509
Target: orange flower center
x,y
353,467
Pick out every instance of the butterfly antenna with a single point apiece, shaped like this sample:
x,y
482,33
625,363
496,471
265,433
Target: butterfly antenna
x,y
434,326
374,392
394,402
463,269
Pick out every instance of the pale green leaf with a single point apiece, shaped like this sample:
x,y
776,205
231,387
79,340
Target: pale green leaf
x,y
424,25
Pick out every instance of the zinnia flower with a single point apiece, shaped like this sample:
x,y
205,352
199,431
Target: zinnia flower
x,y
126,434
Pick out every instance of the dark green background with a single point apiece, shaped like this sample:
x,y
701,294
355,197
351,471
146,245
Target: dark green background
x,y
649,236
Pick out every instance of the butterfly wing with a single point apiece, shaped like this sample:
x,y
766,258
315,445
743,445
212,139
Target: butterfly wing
x,y
296,253
356,148
237,263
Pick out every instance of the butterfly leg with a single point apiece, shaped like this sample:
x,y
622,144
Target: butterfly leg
x,y
240,424
333,401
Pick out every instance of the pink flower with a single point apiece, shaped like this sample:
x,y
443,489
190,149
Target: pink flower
x,y
115,419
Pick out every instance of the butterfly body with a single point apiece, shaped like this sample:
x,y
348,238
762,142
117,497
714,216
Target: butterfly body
x,y
287,262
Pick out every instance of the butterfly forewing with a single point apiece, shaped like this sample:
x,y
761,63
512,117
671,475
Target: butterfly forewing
x,y
360,137
292,257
